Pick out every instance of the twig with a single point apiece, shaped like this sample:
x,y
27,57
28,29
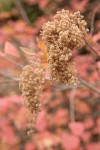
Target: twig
x,y
9,77
91,31
89,85
88,43
79,85
8,81
23,57
97,56
97,69
92,19
72,110
92,23
13,61
22,11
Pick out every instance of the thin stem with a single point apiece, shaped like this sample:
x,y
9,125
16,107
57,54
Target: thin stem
x,y
81,80
92,19
72,109
13,61
94,58
92,23
22,11
97,69
88,43
79,85
9,77
8,81
89,86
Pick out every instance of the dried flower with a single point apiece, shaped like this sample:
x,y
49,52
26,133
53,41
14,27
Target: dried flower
x,y
61,36
31,85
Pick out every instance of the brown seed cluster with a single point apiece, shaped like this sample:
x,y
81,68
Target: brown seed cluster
x,y
61,36
31,85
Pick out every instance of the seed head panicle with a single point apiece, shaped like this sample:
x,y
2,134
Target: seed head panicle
x,y
31,83
61,36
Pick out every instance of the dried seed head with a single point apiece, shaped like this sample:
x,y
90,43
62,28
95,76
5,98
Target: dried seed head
x,y
61,36
31,85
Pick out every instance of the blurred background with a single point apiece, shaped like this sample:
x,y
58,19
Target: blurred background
x,y
70,118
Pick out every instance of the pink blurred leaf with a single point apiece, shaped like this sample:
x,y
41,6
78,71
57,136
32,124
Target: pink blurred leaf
x,y
10,49
29,146
93,146
79,5
9,135
41,122
88,123
77,128
43,3
2,54
96,37
70,142
86,136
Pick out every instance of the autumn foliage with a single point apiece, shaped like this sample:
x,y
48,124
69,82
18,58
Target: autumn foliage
x,y
70,115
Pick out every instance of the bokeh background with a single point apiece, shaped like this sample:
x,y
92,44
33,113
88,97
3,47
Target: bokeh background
x,y
70,117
